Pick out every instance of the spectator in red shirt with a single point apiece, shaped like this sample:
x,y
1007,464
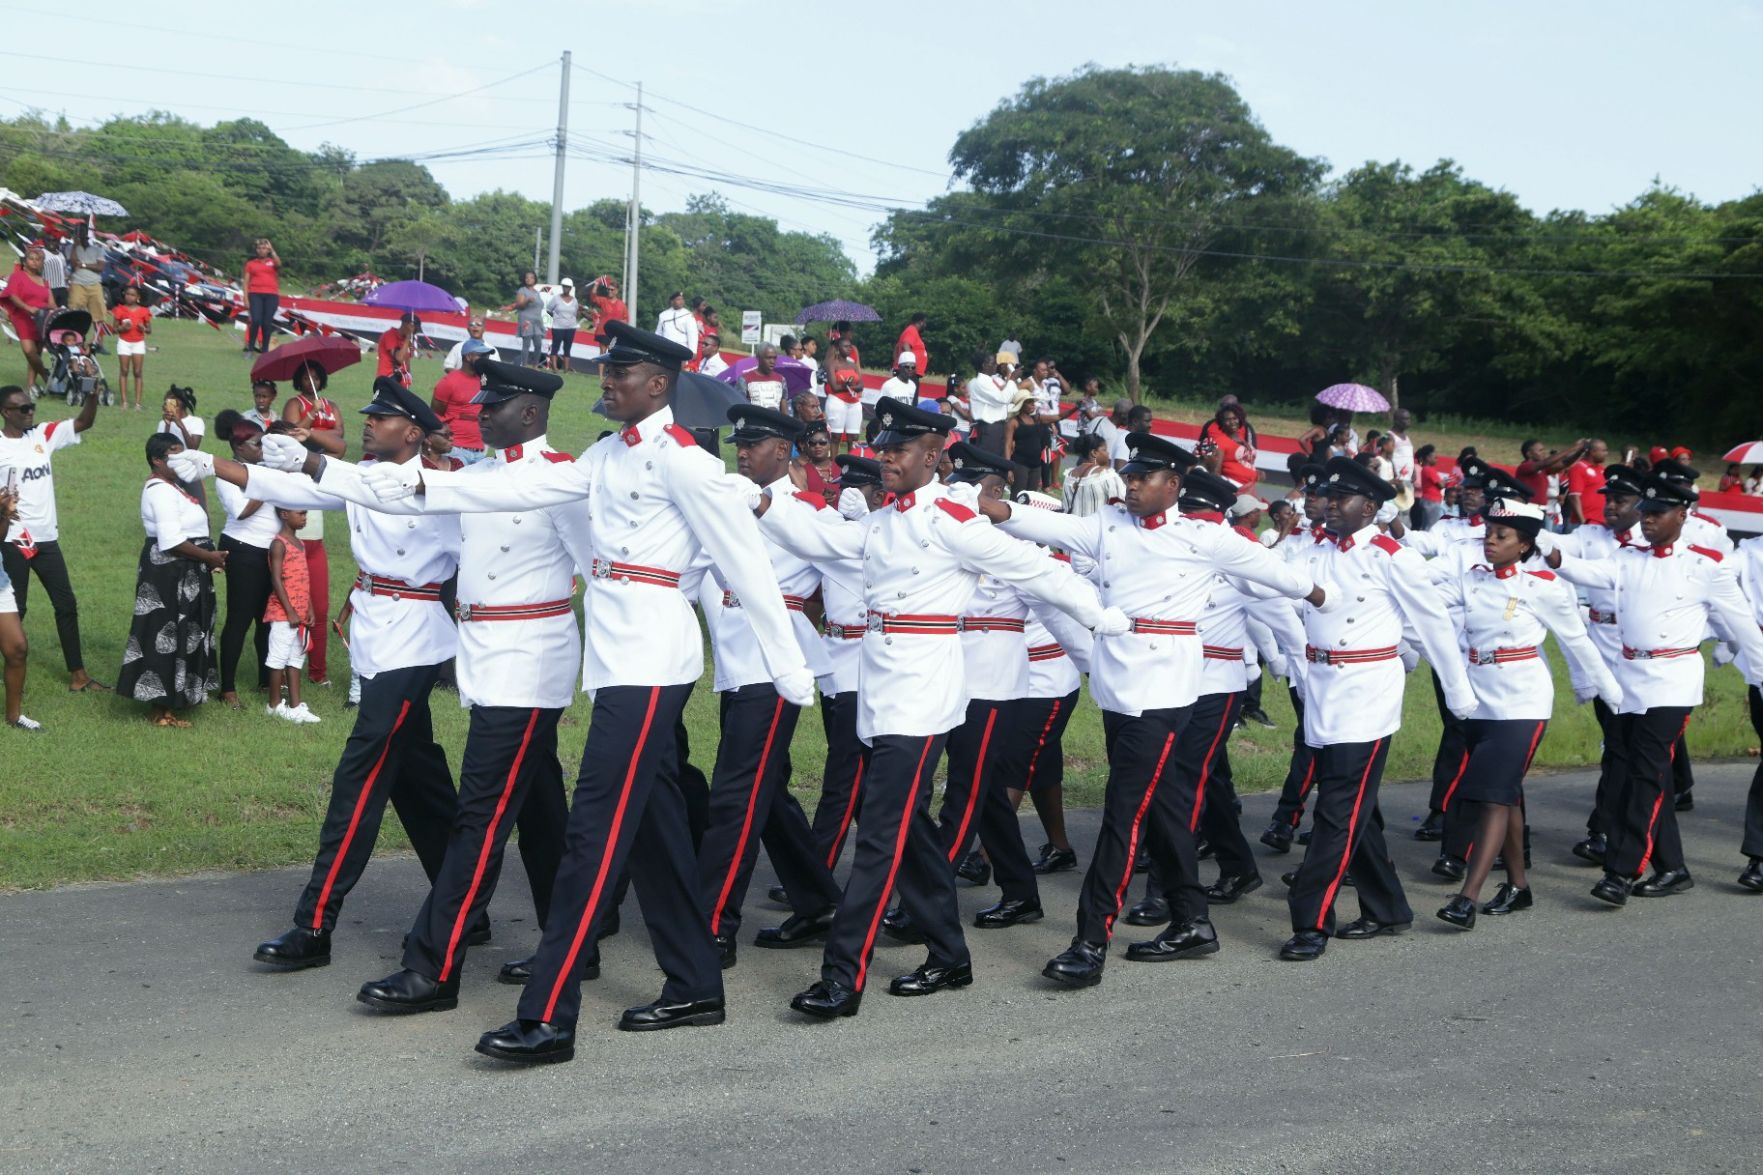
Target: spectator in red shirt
x,y
263,289
912,340
608,307
394,349
1538,468
1429,488
452,402
1732,481
1585,485
1227,445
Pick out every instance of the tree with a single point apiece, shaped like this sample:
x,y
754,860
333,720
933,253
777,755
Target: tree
x,y
1125,179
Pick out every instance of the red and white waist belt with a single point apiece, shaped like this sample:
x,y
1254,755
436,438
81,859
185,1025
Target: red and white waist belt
x,y
845,632
1046,652
1221,653
1348,656
634,573
1150,627
396,589
992,624
468,613
1501,656
1598,617
1629,654
914,624
793,603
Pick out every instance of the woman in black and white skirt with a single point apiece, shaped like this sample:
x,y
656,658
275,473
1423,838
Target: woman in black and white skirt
x,y
1509,604
169,661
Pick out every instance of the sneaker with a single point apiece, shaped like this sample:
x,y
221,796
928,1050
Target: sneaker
x,y
30,725
281,710
303,715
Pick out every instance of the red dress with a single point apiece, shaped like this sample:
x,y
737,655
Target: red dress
x,y
33,293
819,483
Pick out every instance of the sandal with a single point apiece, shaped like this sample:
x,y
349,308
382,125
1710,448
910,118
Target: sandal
x,y
93,685
171,720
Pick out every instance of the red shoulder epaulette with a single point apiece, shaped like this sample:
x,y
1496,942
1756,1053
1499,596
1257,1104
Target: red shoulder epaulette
x,y
1062,556
681,434
1541,574
956,510
1708,551
559,458
1707,518
1386,544
818,501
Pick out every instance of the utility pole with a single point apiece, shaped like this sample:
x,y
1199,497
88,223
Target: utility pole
x,y
557,183
635,217
538,242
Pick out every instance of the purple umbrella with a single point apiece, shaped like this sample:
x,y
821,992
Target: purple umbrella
x,y
798,376
416,297
1353,398
838,311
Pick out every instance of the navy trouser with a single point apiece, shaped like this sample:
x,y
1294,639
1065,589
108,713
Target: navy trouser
x,y
987,757
1348,837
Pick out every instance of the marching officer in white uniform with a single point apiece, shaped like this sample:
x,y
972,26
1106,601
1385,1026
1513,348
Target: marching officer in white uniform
x,y
1668,594
657,503
1508,603
402,635
1301,549
1353,705
749,788
1620,527
518,666
1156,569
922,557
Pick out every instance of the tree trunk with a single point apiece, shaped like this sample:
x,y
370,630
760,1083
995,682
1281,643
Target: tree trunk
x,y
1390,386
1133,351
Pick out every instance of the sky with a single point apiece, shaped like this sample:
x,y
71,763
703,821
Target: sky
x,y
1565,104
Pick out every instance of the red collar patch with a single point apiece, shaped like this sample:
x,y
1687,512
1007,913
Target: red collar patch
x,y
1154,521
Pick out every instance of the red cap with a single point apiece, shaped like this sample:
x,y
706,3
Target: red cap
x,y
1657,454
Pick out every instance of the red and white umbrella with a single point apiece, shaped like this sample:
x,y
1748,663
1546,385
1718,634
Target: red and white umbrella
x,y
1353,398
1749,453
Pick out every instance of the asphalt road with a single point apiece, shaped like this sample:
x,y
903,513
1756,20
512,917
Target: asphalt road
x,y
139,1036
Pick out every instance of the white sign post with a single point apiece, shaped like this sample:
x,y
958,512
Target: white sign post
x,y
752,322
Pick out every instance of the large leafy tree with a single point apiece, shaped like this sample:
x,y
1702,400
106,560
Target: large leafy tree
x,y
1124,181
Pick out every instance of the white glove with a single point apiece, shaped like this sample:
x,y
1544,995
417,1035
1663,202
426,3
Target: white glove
x,y
1331,598
797,688
1584,693
852,504
1114,622
1545,543
1461,703
752,493
1386,513
283,453
1612,695
1725,653
965,493
191,464
1278,668
391,482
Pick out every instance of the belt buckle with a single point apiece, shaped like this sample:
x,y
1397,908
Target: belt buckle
x,y
873,622
600,570
1316,656
464,612
961,625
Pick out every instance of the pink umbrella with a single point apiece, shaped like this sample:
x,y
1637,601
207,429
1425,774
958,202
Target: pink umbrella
x,y
1749,453
1353,398
798,377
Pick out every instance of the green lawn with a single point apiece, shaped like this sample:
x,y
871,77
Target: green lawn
x,y
103,795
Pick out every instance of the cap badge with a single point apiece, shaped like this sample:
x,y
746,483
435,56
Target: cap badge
x,y
959,462
887,420
1333,477
741,422
1132,454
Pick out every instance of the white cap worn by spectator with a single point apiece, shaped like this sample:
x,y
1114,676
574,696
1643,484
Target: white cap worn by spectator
x,y
906,359
1245,505
569,282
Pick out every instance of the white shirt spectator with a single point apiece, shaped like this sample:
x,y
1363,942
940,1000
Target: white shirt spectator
x,y
680,325
170,515
903,390
27,459
988,398
258,529
713,365
565,312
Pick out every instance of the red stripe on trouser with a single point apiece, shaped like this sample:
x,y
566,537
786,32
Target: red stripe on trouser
x,y
1347,852
1462,766
581,930
1041,743
881,904
330,878
978,780
1304,790
1532,753
1658,804
734,865
1206,768
484,850
832,853
1132,838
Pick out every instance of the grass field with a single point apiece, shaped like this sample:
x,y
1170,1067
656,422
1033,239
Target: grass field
x,y
103,795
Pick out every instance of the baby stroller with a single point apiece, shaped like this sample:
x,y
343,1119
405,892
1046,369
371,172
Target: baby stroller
x,y
73,372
